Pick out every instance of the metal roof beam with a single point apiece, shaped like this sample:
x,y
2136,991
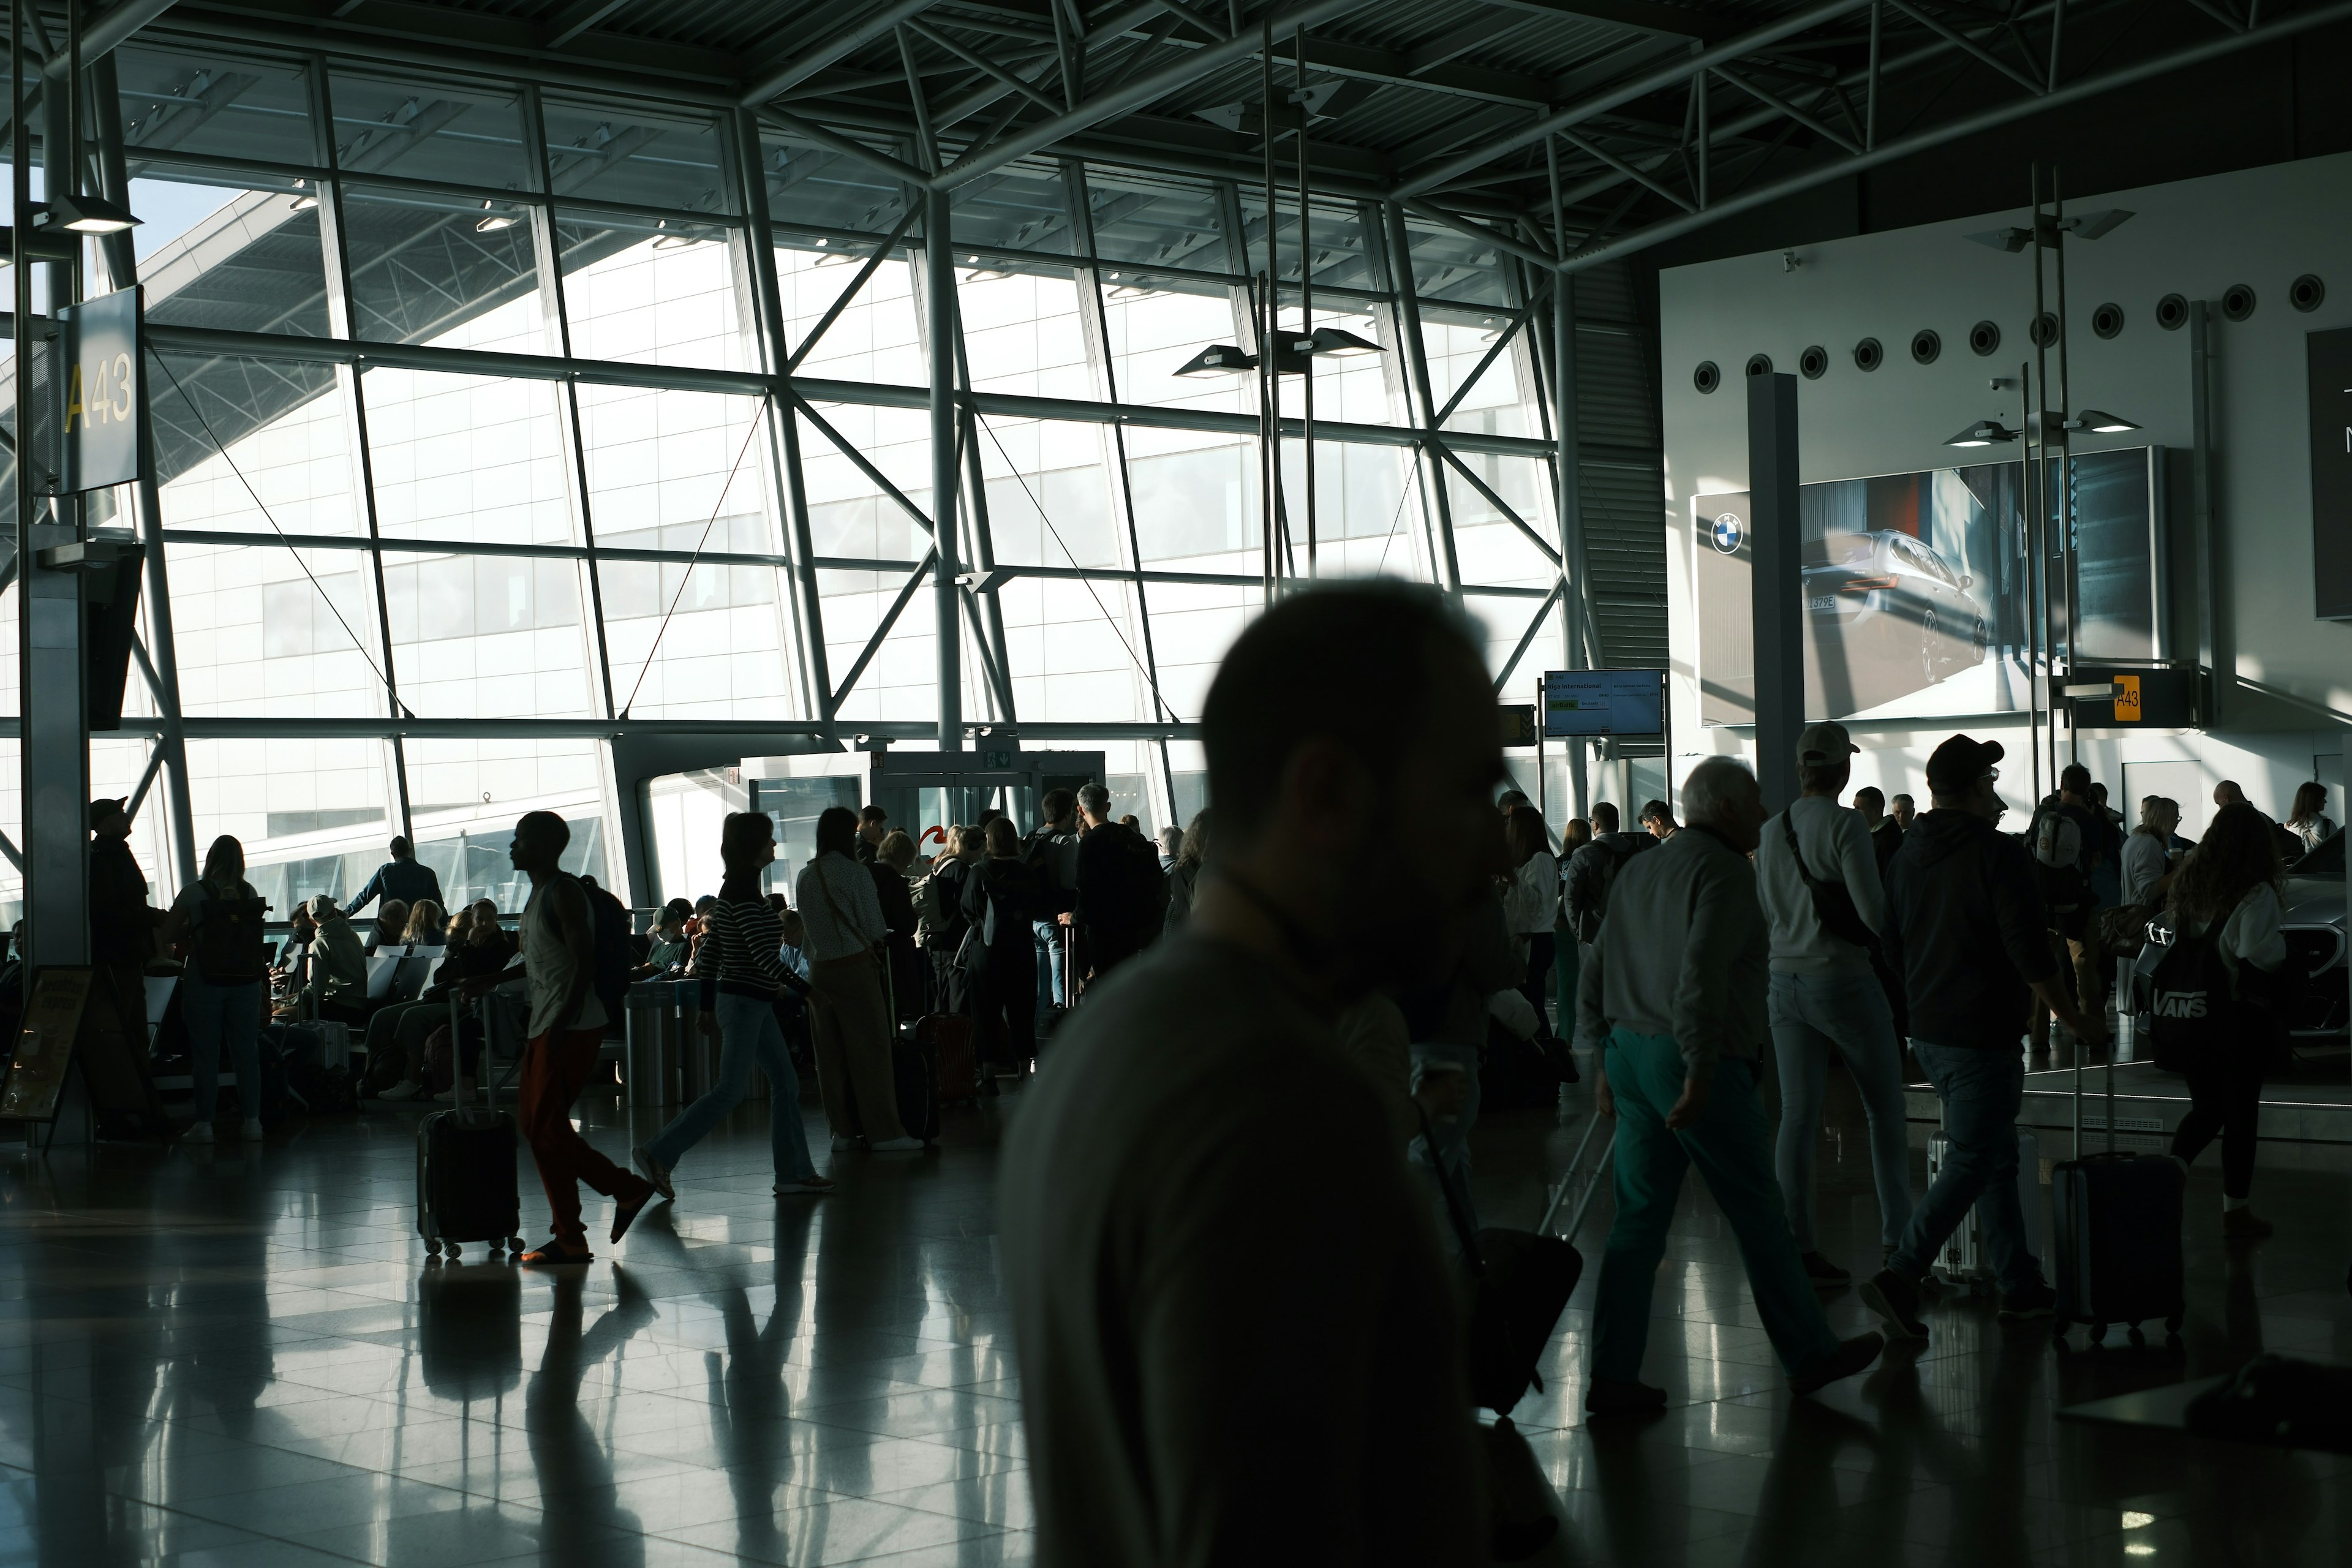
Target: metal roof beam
x,y
796,68
576,19
1956,130
1145,90
102,35
1658,80
1667,21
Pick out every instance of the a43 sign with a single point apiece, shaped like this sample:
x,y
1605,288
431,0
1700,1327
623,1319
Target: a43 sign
x,y
98,370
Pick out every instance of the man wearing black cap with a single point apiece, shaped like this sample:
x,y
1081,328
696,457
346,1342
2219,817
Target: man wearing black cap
x,y
122,923
1966,931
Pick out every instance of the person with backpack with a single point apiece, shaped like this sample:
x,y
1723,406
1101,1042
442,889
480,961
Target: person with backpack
x,y
615,953
2213,999
742,978
1966,931
2065,835
1817,877
219,917
1592,868
1119,900
940,918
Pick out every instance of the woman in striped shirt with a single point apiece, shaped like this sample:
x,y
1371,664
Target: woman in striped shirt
x,y
741,980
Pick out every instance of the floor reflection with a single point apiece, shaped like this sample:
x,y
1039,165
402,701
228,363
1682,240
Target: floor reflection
x,y
242,1361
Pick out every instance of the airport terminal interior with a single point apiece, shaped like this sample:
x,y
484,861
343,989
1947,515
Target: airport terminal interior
x,y
494,468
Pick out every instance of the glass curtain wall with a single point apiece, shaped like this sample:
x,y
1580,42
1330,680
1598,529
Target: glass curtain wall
x,y
488,406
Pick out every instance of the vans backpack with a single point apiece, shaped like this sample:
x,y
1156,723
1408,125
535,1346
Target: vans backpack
x,y
2193,1006
2058,869
1588,920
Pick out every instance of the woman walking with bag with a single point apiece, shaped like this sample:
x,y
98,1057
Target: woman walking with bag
x,y
851,1027
219,915
2231,880
742,977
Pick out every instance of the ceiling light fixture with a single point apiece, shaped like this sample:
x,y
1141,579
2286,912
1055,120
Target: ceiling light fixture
x,y
2100,423
1219,359
1340,343
1983,433
84,214
494,220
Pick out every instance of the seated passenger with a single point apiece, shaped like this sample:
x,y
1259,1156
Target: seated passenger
x,y
339,970
390,921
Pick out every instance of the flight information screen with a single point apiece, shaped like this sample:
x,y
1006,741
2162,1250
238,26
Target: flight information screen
x,y
1604,702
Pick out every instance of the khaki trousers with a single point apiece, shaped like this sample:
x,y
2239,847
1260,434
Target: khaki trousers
x,y
851,1032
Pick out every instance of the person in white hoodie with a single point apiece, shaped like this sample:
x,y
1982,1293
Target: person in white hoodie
x,y
1817,877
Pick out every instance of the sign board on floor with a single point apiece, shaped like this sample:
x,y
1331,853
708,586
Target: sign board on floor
x,y
45,1043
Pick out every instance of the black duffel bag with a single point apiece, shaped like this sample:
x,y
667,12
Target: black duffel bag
x,y
1520,1283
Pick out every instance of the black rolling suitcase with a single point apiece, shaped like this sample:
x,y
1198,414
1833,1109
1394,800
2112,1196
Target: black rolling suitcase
x,y
2115,1242
465,1171
914,1073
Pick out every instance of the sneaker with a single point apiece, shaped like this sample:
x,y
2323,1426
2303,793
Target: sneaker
x,y
1850,1357
449,1096
809,1184
2036,1300
1821,1272
250,1130
197,1132
407,1088
653,1171
1610,1396
897,1145
2244,1224
1897,1299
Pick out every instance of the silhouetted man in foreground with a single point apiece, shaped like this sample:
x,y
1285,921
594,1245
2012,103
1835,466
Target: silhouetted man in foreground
x,y
1238,1340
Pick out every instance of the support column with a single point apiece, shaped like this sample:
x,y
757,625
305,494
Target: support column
x,y
147,509
938,301
1775,536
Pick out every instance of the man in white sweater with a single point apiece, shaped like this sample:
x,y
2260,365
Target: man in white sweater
x,y
1817,877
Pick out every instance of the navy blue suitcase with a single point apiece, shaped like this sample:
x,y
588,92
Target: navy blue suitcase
x,y
2115,1242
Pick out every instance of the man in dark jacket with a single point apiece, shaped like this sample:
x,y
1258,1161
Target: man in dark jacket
x,y
1966,931
122,924
402,877
1885,833
1121,896
1051,853
1593,867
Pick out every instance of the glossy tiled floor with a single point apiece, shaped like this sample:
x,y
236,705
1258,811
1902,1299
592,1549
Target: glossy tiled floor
x,y
238,1357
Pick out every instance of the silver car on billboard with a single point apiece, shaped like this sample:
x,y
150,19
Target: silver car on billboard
x,y
1891,595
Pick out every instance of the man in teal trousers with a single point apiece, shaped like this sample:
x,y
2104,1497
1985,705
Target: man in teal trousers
x,y
1675,986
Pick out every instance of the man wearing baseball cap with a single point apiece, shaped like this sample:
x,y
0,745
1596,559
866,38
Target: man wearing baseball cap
x,y
1817,877
122,924
1967,933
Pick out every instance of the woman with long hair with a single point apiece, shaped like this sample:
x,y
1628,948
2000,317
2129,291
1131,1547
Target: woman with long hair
x,y
741,980
1003,898
835,897
219,916
424,927
1184,876
2309,820
2231,880
1533,904
943,919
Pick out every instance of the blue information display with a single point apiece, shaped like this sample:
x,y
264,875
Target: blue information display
x,y
1604,702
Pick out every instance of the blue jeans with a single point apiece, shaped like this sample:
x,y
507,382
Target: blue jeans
x,y
1982,1091
1452,1153
1811,1016
1047,935
748,1035
1727,1143
223,1013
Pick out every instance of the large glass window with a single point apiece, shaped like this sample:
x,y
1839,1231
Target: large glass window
x,y
212,104
437,130
456,271
654,291
469,458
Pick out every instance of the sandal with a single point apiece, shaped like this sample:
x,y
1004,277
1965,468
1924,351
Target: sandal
x,y
555,1254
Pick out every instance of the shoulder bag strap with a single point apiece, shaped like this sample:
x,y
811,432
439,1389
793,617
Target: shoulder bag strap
x,y
1454,1210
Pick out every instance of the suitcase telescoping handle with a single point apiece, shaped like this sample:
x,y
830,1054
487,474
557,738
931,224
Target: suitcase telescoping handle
x,y
1576,1220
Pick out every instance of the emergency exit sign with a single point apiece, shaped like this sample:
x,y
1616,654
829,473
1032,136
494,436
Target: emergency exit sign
x,y
2330,357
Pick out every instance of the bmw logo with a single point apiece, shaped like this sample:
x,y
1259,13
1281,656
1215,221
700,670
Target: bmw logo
x,y
1728,531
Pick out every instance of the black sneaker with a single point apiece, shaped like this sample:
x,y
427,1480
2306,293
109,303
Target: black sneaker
x,y
1607,1397
2036,1300
1821,1272
1897,1299
1850,1357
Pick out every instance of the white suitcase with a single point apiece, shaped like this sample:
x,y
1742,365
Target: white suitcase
x,y
1964,1262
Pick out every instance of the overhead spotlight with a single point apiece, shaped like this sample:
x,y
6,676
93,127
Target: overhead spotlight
x,y
1133,290
672,241
493,220
1340,343
84,214
2008,239
1219,359
2100,423
2098,225
1983,433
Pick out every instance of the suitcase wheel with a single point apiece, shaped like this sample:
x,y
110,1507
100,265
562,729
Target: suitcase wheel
x,y
2098,1334
2137,1338
2172,1327
515,1245
452,1249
